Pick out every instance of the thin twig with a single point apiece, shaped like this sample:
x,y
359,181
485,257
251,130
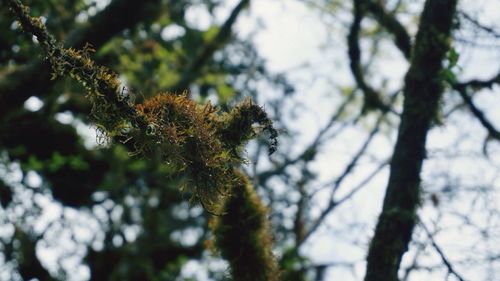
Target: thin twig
x,y
193,70
440,252
461,88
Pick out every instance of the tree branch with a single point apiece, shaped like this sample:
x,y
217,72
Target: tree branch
x,y
492,131
310,151
193,70
371,97
347,171
479,25
440,252
117,16
480,84
422,92
392,25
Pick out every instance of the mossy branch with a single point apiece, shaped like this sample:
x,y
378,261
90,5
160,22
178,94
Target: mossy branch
x,y
110,111
201,143
242,235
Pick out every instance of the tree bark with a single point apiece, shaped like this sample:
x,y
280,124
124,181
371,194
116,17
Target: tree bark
x,y
242,234
422,92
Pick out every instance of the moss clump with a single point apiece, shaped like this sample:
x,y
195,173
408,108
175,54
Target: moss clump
x,y
237,126
242,234
200,141
185,135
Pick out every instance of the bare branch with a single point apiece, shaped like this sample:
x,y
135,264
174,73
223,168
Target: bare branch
x,y
440,252
347,171
480,84
392,25
310,151
479,25
193,70
372,98
493,132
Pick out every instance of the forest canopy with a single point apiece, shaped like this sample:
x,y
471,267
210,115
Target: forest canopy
x,y
249,140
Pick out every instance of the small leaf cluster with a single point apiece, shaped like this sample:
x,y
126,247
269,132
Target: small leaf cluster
x,y
451,68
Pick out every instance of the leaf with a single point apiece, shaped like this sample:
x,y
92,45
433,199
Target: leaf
x,y
452,58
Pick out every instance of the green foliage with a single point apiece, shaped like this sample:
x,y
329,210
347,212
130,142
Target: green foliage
x,y
148,65
451,68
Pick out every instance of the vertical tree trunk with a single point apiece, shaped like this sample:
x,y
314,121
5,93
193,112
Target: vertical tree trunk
x,y
422,93
243,235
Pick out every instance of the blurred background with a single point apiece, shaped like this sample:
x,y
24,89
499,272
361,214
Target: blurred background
x,y
73,208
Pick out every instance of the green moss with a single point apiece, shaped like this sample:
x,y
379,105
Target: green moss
x,y
201,142
237,126
242,235
185,135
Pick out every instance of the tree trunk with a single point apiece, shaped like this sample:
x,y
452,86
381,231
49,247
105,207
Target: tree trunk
x,y
422,93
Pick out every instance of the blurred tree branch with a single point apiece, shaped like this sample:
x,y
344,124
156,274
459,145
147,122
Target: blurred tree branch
x,y
388,21
372,99
462,89
476,23
422,93
206,52
441,254
333,203
116,17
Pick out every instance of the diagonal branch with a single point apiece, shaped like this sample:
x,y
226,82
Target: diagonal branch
x,y
116,17
193,70
392,25
441,254
310,151
347,171
103,87
335,203
492,131
479,25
